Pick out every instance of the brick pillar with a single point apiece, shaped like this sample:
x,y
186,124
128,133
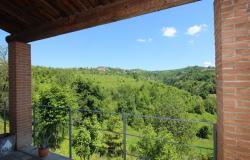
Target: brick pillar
x,y
20,93
232,39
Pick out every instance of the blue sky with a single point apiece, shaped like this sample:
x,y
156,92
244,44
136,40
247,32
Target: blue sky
x,y
169,39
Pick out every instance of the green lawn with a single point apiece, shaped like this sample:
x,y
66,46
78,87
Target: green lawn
x,y
2,126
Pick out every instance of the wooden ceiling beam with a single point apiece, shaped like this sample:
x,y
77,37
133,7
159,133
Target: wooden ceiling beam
x,y
87,4
8,27
12,13
104,2
100,15
80,5
17,13
49,7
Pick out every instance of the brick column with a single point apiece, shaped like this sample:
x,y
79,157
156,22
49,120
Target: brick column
x,y
20,93
232,39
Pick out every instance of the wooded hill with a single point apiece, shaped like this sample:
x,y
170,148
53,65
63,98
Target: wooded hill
x,y
196,83
187,93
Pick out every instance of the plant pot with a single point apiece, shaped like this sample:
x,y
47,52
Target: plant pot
x,y
43,152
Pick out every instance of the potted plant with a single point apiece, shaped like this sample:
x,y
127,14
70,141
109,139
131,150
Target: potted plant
x,y
49,132
41,137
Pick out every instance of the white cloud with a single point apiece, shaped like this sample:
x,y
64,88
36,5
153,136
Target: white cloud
x,y
169,31
144,40
208,64
193,30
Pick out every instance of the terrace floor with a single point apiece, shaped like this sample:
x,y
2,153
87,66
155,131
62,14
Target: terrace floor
x,y
31,154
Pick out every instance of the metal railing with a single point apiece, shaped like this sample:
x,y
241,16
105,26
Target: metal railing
x,y
124,116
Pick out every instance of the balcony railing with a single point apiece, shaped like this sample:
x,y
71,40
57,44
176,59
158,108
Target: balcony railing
x,y
73,118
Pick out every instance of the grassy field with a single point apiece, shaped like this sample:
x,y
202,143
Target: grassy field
x,y
2,126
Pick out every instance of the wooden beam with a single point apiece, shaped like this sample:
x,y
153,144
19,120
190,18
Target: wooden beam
x,y
118,10
17,13
12,13
104,2
50,8
10,24
80,5
6,26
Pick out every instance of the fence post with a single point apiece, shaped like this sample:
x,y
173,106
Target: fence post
x,y
4,119
215,140
124,120
70,133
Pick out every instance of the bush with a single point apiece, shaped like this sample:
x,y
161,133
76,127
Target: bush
x,y
210,104
51,121
199,107
203,132
156,145
87,138
113,142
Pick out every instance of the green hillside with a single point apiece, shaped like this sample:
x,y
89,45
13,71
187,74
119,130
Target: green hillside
x,y
196,84
187,93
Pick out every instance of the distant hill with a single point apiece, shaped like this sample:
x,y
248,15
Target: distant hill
x,y
197,80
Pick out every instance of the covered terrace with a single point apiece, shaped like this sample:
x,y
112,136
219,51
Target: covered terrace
x,y
31,20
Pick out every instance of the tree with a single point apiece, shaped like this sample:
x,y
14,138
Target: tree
x,y
127,101
210,104
113,141
3,77
90,96
87,139
169,103
199,106
156,146
81,143
51,112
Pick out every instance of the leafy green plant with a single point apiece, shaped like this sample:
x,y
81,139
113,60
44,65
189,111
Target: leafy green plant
x,y
51,119
210,104
50,129
199,108
87,139
42,136
156,146
4,86
113,141
81,143
203,132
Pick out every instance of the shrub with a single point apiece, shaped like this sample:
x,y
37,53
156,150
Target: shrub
x,y
156,145
210,104
203,132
